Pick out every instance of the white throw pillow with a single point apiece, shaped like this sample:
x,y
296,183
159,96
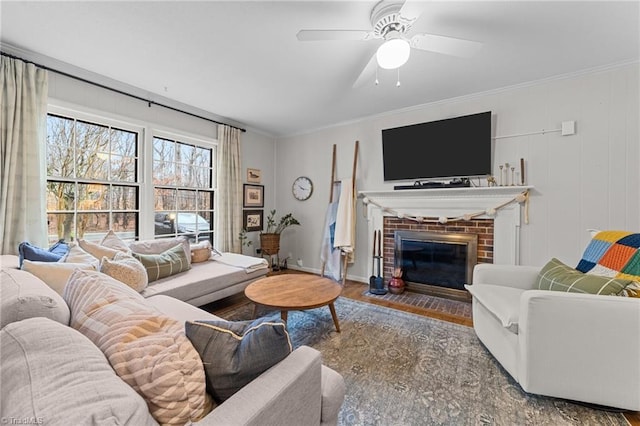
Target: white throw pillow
x,y
78,255
111,240
96,250
160,246
54,274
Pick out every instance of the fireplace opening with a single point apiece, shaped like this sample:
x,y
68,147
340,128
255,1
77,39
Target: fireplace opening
x,y
436,263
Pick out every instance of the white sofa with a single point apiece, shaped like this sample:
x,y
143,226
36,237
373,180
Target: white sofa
x,y
574,346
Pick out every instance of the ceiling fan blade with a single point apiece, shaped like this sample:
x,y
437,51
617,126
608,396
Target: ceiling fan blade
x,y
446,45
319,35
411,10
367,74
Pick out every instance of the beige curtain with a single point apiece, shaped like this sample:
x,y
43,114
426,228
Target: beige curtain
x,y
23,115
229,209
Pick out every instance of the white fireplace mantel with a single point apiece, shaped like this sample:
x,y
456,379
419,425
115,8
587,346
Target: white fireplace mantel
x,y
453,203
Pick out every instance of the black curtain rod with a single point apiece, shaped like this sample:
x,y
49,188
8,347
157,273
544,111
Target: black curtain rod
x,y
102,86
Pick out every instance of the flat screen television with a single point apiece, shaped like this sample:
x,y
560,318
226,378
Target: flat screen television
x,y
450,148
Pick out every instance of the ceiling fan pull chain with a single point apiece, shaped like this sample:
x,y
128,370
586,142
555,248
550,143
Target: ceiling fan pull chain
x,y
398,82
377,82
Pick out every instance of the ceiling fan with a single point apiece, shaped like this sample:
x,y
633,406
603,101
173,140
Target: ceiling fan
x,y
391,22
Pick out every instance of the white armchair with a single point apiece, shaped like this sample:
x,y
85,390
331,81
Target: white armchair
x,y
575,346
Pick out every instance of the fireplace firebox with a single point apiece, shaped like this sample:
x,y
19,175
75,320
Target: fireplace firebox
x,y
436,263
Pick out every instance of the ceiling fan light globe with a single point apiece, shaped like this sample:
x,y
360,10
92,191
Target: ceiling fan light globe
x,y
393,53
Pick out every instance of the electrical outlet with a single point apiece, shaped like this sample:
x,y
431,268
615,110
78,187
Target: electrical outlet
x,y
290,256
299,262
568,128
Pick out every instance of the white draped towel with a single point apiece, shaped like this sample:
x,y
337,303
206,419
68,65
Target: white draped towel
x,y
248,263
345,236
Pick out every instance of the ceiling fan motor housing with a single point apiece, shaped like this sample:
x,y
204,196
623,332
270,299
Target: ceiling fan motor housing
x,y
385,18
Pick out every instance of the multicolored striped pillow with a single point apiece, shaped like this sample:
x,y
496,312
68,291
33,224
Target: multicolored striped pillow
x,y
148,350
612,254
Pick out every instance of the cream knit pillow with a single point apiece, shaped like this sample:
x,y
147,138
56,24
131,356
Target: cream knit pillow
x,y
126,269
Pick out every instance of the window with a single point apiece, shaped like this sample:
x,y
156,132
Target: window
x,y
92,179
183,179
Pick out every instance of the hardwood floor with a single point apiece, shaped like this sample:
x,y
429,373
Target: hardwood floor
x,y
633,418
428,306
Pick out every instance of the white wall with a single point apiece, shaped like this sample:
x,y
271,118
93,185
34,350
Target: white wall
x,y
258,152
99,100
588,180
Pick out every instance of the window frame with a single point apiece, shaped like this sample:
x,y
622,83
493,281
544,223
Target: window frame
x,y
79,116
146,131
188,139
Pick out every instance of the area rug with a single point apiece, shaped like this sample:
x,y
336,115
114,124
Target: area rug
x,y
405,369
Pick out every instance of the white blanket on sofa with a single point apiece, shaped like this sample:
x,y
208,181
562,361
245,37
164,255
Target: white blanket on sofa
x,y
248,263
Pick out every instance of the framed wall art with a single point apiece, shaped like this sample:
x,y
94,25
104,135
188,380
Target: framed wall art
x,y
254,175
253,195
253,220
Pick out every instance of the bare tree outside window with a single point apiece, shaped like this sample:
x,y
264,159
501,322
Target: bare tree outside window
x,y
93,182
92,179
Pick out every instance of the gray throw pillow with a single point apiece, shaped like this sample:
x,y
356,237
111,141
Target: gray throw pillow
x,y
235,353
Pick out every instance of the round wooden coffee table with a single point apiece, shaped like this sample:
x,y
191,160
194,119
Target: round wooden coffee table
x,y
294,292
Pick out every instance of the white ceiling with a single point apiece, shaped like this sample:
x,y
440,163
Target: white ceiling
x,y
241,60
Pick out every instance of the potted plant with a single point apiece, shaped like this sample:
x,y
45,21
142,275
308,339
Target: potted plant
x,y
270,238
244,239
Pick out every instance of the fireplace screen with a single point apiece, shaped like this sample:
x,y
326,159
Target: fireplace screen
x,y
436,259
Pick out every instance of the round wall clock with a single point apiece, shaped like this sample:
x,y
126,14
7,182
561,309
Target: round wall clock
x,y
302,188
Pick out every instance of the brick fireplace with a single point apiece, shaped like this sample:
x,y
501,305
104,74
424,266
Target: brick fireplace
x,y
483,246
498,236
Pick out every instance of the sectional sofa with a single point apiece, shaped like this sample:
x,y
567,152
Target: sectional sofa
x,y
51,373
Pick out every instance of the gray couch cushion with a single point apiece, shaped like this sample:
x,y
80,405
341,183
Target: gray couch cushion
x,y
179,310
9,261
333,391
235,353
55,375
202,279
23,295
